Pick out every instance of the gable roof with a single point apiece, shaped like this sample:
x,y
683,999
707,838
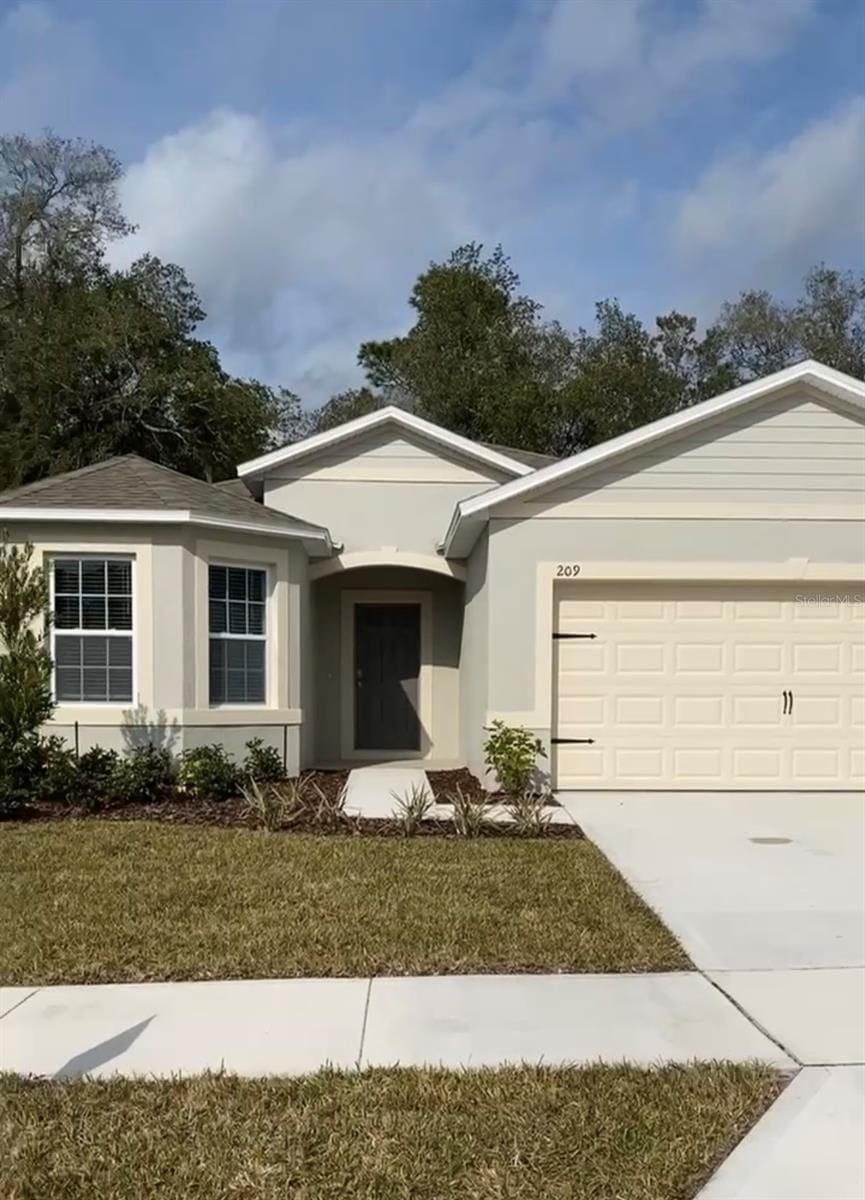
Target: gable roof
x,y
493,456
470,515
133,489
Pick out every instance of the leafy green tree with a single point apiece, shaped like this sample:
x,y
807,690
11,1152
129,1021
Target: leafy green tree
x,y
95,362
758,334
25,669
478,359
344,406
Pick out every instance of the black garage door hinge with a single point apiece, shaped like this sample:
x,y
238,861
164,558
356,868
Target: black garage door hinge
x,y
558,636
572,741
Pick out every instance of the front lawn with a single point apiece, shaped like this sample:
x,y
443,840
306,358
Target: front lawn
x,y
94,902
595,1133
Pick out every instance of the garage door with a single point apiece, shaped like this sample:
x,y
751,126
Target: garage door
x,y
709,686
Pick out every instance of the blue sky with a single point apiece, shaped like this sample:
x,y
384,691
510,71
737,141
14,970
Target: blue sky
x,y
305,160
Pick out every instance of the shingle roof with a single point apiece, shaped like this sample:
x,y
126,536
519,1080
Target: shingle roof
x,y
129,482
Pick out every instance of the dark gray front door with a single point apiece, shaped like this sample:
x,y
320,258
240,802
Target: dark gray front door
x,y
386,669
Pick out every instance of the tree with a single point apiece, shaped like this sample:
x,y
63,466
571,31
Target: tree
x,y
95,362
344,406
478,359
25,669
758,334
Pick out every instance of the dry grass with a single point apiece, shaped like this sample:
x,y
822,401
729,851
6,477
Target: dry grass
x,y
595,1133
91,901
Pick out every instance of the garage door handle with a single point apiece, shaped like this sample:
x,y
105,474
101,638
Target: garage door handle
x,y
788,702
790,710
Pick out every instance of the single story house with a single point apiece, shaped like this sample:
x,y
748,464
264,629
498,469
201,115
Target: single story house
x,y
680,607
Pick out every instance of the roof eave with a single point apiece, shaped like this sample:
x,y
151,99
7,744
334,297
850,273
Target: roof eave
x,y
255,468
316,541
810,373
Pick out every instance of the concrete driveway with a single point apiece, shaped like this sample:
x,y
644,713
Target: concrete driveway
x,y
747,881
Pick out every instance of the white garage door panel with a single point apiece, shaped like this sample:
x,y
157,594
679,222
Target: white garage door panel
x,y
682,685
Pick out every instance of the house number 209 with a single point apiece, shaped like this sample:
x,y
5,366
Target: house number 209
x,y
567,570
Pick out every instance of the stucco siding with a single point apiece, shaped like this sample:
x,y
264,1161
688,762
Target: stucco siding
x,y
474,657
778,459
371,515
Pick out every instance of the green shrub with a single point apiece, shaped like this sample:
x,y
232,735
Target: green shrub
x,y
60,778
512,753
263,764
208,773
25,672
97,778
143,776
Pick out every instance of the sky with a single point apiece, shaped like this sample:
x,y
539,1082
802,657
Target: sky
x,y
304,160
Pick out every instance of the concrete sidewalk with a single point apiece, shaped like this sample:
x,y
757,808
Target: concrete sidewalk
x,y
296,1026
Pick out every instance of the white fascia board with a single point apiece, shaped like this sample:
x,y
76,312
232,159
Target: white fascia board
x,y
315,540
470,514
256,467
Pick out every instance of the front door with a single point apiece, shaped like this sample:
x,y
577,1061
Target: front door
x,y
386,670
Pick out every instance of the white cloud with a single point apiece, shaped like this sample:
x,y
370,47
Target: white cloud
x,y
299,252
628,60
785,203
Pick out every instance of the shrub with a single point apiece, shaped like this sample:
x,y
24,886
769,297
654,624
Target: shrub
x,y
529,812
59,778
411,807
470,816
97,777
512,752
263,764
143,776
25,672
207,773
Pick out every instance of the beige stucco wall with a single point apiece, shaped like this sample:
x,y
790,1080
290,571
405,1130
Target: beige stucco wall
x,y
331,657
170,637
381,490
475,657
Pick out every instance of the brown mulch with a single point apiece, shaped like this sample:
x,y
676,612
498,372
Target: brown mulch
x,y
443,782
231,814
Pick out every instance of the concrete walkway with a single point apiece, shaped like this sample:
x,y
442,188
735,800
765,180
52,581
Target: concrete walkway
x,y
372,791
808,1146
765,893
296,1026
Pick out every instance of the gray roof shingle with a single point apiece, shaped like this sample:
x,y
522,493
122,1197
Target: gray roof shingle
x,y
131,482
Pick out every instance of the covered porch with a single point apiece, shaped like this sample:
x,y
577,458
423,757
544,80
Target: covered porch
x,y
384,669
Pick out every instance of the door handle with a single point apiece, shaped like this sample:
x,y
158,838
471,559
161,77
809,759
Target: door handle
x,y
786,708
790,709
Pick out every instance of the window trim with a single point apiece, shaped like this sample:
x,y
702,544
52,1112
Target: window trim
x,y
132,634
266,637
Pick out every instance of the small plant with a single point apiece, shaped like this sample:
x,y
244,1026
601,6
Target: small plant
x,y
263,764
143,776
529,812
326,812
269,805
512,753
207,773
470,815
411,807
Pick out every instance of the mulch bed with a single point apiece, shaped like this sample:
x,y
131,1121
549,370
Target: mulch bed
x,y
231,814
444,782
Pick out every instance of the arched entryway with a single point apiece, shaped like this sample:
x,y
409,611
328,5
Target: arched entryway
x,y
385,660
